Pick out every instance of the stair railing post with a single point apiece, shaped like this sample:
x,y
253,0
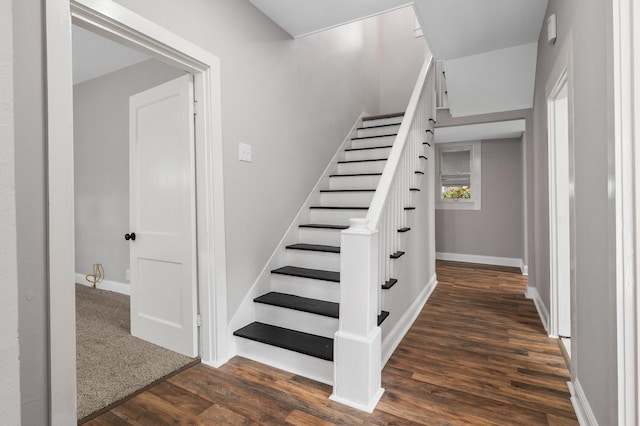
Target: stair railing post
x,y
357,343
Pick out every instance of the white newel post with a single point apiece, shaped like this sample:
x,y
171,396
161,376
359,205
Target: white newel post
x,y
357,343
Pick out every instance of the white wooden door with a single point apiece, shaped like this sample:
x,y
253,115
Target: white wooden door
x,y
162,216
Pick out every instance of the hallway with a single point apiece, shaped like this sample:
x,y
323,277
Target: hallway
x,y
477,354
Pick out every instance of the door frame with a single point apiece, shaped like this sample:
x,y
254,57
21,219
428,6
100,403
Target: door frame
x,y
116,22
625,202
561,74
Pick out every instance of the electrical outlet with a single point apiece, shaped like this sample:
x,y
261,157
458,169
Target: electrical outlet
x,y
127,274
245,152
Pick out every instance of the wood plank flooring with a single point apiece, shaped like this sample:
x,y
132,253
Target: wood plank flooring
x,y
477,354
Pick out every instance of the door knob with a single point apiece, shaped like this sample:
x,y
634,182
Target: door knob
x,y
131,236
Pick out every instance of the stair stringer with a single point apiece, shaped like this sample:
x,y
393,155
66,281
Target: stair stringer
x,y
246,313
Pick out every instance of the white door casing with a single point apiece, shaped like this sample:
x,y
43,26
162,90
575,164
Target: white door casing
x,y
559,216
162,216
118,23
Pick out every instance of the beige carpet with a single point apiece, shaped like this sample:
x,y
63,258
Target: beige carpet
x,y
112,364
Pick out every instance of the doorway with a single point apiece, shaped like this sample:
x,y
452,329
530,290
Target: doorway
x,y
116,354
118,23
561,222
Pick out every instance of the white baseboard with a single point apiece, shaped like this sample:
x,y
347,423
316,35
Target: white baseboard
x,y
394,337
483,260
532,293
525,269
581,406
114,286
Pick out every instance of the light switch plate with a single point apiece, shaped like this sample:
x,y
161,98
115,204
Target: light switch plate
x,y
245,152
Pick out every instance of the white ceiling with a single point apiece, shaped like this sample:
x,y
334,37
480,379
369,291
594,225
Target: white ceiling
x,y
481,31
94,55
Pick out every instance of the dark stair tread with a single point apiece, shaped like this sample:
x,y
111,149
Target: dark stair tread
x,y
378,126
409,208
347,190
404,229
315,274
383,116
323,226
303,304
369,147
297,341
361,161
389,284
337,208
374,137
383,316
314,247
397,255
357,174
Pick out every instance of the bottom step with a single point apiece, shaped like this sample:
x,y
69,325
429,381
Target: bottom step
x,y
304,343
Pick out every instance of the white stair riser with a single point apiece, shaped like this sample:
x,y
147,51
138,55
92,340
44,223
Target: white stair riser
x,y
329,237
297,320
367,154
305,287
361,167
357,199
303,365
354,182
396,266
381,121
313,259
370,142
335,217
377,131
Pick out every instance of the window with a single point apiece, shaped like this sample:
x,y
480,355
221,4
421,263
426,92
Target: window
x,y
458,176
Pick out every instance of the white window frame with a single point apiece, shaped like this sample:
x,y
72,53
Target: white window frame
x,y
475,202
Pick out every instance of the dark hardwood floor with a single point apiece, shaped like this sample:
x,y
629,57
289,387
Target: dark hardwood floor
x,y
477,354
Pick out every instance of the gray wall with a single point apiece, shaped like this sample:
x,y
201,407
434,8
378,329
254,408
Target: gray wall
x,y
101,149
593,360
496,229
402,57
293,100
9,346
30,157
445,119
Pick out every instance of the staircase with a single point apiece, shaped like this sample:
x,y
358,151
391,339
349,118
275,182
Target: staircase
x,y
297,319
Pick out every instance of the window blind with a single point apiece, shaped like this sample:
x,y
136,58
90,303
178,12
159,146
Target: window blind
x,y
455,168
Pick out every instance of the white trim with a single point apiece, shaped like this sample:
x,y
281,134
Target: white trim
x,y
581,406
483,260
60,206
394,336
626,120
107,285
561,76
524,269
367,408
532,293
117,22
